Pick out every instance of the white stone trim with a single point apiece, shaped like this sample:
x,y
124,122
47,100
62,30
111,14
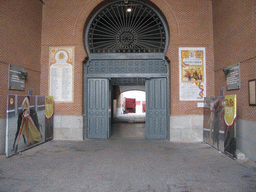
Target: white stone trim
x,y
186,128
68,127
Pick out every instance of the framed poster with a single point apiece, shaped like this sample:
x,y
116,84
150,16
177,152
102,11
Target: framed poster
x,y
252,92
192,74
61,77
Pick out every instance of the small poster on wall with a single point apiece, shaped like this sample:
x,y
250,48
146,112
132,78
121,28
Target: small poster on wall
x,y
61,76
192,73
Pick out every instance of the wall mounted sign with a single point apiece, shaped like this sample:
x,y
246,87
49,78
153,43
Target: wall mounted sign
x,y
252,92
232,76
17,77
192,73
61,73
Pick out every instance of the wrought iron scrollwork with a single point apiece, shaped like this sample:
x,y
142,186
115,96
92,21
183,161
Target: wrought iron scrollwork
x,y
131,27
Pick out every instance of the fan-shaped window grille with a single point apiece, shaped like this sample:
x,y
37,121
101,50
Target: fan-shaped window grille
x,y
127,27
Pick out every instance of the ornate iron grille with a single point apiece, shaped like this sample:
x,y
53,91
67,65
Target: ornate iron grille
x,y
127,27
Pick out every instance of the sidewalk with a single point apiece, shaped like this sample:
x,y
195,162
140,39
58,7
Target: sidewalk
x,y
125,165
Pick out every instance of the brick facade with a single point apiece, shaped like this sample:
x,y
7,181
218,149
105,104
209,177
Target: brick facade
x,y
64,24
235,41
225,28
190,25
21,27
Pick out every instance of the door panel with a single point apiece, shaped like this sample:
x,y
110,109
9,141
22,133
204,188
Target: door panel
x,y
98,108
156,108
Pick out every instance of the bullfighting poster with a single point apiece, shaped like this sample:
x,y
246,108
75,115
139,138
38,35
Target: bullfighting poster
x,y
61,77
192,74
25,123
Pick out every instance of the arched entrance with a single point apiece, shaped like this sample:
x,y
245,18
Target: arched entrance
x,y
126,42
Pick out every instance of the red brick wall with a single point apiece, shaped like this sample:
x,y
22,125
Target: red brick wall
x,y
21,26
189,22
235,41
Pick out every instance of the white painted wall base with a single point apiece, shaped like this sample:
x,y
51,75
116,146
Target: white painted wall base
x,y
68,127
119,111
2,135
186,128
246,142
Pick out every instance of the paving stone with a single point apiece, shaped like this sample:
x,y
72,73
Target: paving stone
x,y
129,165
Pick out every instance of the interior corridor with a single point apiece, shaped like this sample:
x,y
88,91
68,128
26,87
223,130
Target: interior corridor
x,y
130,126
129,117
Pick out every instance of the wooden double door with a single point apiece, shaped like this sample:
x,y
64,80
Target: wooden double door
x,y
99,101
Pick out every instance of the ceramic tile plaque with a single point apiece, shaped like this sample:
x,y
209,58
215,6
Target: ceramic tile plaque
x,y
61,75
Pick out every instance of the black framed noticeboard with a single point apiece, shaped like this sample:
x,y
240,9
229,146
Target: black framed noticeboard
x,y
252,92
232,73
16,77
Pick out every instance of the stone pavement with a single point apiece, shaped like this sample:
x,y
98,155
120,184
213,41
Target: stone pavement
x,y
131,118
128,130
125,165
